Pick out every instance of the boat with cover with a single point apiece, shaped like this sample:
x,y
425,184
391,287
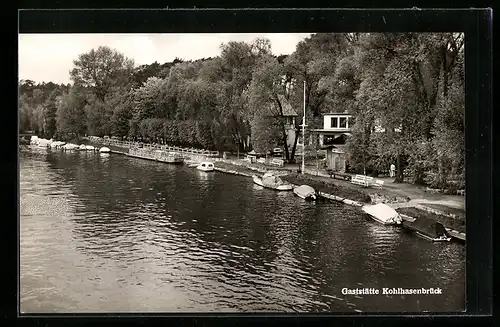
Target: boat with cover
x,y
206,166
428,229
383,214
269,180
104,150
305,192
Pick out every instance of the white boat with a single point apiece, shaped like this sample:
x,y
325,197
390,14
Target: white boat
x,y
82,147
89,148
70,146
57,144
206,166
382,213
271,181
305,192
104,150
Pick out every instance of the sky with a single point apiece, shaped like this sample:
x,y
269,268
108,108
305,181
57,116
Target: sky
x,y
49,57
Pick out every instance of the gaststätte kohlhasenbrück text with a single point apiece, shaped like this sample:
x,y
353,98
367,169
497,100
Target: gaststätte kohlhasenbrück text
x,y
392,291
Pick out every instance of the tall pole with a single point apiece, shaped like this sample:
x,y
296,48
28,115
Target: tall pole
x,y
304,132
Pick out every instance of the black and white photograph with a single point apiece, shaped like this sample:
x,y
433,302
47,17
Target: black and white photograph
x,y
242,172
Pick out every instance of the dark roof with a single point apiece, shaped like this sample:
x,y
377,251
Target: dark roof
x,y
337,114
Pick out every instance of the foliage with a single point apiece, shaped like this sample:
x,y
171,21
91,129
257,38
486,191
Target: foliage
x,y
70,115
102,69
405,91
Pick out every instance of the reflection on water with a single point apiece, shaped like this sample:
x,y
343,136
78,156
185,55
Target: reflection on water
x,y
116,234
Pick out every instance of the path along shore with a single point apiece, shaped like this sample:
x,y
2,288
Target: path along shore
x,y
408,199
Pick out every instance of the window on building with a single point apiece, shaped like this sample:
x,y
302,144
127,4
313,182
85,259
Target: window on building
x,y
335,122
343,122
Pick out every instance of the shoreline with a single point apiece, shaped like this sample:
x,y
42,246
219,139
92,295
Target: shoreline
x,y
334,190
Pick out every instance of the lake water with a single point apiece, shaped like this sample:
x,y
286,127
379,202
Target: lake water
x,y
109,233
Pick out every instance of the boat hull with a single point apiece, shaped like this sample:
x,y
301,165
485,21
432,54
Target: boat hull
x,y
429,232
383,222
204,169
382,214
305,192
284,187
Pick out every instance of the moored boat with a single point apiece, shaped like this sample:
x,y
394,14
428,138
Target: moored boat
x,y
70,146
382,213
82,147
104,150
206,166
57,144
428,229
271,181
305,192
89,148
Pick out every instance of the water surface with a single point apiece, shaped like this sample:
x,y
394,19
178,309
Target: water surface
x,y
109,233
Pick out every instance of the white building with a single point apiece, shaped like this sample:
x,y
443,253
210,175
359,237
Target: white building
x,y
332,137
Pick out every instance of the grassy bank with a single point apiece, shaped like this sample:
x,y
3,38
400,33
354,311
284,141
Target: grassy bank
x,y
237,168
328,187
458,213
448,222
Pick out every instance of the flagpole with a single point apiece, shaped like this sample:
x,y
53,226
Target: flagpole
x,y
304,131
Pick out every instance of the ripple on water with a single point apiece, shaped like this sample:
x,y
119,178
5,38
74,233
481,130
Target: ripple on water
x,y
133,235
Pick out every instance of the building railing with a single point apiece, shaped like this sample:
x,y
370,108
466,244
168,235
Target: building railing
x,y
129,144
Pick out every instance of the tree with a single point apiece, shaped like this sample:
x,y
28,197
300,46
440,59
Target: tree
x,y
102,69
121,104
50,110
25,114
70,115
267,100
265,134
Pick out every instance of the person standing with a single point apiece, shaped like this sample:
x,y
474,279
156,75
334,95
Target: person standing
x,y
393,170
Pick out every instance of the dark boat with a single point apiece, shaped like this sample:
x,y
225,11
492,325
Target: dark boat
x,y
429,229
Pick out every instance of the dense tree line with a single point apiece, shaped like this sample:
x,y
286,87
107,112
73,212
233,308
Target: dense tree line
x,y
406,92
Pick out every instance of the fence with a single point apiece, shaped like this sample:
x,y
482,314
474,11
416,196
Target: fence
x,y
130,144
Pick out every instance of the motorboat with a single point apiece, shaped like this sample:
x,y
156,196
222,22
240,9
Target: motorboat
x,y
272,181
104,150
82,147
428,229
305,192
89,148
206,166
382,213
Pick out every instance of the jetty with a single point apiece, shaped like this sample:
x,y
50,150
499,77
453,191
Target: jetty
x,y
157,152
